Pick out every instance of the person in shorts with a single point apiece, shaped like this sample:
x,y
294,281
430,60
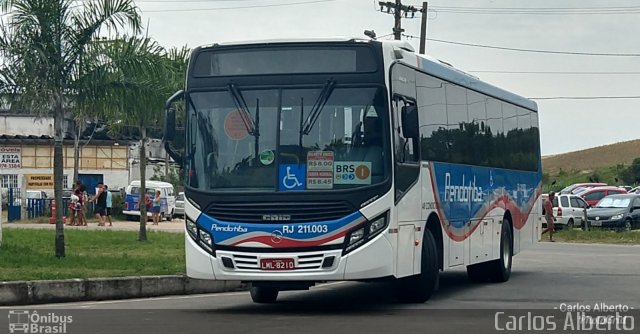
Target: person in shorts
x,y
100,200
109,204
156,208
548,215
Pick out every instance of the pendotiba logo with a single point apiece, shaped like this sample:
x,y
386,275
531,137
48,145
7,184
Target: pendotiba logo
x,y
228,228
462,193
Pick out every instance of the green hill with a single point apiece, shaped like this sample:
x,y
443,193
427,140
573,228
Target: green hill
x,y
598,164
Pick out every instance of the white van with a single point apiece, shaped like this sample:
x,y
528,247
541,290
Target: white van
x,y
167,199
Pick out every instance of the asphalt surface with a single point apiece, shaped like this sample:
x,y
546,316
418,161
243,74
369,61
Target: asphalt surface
x,y
545,278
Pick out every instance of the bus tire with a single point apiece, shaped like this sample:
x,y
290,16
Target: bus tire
x,y
419,288
497,270
263,295
502,267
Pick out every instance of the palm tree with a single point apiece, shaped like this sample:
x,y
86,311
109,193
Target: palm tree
x,y
142,75
42,45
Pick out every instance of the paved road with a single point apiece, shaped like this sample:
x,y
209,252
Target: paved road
x,y
543,278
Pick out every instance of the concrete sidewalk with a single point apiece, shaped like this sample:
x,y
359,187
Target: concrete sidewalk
x,y
74,290
174,226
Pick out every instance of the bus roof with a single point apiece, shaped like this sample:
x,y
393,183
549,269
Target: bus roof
x,y
449,73
289,40
426,63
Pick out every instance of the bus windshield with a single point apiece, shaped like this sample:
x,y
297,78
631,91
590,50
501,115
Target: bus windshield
x,y
286,139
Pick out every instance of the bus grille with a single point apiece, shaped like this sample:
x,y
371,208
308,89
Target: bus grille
x,y
279,212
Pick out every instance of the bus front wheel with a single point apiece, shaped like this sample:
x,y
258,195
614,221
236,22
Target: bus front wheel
x,y
263,295
419,288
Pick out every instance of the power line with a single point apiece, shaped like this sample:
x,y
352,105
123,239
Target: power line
x,y
237,7
532,50
538,10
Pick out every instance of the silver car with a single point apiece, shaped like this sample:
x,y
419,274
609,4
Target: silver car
x,y
180,205
569,210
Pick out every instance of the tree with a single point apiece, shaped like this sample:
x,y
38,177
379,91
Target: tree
x,y
42,45
143,75
631,175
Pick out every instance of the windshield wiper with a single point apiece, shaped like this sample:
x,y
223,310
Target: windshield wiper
x,y
327,89
243,110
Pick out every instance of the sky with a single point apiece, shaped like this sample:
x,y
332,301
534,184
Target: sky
x,y
578,26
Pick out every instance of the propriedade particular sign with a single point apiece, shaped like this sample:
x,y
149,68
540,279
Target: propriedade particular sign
x,y
39,181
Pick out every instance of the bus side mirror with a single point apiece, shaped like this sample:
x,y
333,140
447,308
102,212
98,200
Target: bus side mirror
x,y
170,124
170,127
410,121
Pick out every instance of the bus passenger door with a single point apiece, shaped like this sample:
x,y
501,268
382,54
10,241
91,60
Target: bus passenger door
x,y
407,189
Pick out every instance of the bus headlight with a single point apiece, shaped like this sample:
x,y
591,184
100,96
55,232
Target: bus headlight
x,y
202,237
363,233
206,238
356,235
192,229
377,225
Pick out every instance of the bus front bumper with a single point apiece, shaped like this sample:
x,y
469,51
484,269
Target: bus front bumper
x,y
372,260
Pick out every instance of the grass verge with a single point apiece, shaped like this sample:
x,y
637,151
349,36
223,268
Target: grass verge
x,y
596,237
28,254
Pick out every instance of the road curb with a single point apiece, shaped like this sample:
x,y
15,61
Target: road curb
x,y
57,291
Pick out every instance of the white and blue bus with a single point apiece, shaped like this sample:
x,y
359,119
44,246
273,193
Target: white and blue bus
x,y
350,159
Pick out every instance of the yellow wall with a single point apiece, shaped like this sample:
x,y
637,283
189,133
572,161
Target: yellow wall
x,y
91,157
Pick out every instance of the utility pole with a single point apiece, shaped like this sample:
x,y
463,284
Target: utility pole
x,y
398,11
423,28
397,16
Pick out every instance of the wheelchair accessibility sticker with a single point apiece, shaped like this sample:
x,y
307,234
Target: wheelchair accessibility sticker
x,y
292,177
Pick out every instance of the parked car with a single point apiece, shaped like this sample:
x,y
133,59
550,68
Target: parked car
x,y
180,204
570,189
635,190
36,194
616,211
569,210
595,194
167,199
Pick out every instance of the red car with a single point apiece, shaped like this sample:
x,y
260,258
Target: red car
x,y
595,194
572,189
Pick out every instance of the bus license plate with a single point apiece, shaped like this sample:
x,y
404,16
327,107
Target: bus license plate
x,y
277,264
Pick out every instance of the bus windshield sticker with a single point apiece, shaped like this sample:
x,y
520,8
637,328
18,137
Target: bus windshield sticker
x,y
352,172
292,177
234,126
267,157
320,170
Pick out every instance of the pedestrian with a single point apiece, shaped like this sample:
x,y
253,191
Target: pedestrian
x,y
100,200
74,207
109,204
548,214
81,191
156,208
